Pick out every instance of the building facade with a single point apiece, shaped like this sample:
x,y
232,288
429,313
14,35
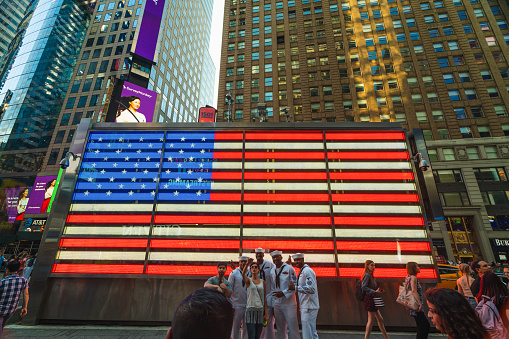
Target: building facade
x,y
440,66
11,15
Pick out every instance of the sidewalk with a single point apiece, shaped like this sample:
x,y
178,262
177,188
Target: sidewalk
x,y
113,332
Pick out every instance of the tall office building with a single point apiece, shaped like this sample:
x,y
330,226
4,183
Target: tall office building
x,y
436,65
12,13
182,74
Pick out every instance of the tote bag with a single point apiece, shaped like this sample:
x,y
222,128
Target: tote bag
x,y
406,298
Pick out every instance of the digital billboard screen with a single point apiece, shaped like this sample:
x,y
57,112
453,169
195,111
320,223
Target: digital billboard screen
x,y
149,29
43,190
136,104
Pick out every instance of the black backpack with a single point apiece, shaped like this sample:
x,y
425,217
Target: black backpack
x,y
359,293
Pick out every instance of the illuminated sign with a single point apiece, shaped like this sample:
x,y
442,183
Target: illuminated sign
x,y
207,114
177,202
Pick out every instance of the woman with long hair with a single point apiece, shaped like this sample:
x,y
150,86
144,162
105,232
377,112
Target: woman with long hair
x,y
464,284
413,285
453,315
370,289
22,203
493,288
128,112
256,306
48,193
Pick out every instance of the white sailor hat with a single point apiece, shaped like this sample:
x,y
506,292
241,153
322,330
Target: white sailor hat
x,y
298,256
244,257
274,253
259,250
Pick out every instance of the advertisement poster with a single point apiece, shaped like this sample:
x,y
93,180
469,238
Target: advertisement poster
x,y
16,200
149,29
207,114
137,104
33,225
42,192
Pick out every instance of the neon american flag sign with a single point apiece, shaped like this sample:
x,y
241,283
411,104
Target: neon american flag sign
x,y
176,202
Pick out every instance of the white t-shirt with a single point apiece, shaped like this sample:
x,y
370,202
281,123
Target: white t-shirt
x,y
127,116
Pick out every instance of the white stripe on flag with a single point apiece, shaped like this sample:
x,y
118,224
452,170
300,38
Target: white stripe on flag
x,y
161,230
287,232
225,185
284,145
111,207
364,145
375,209
306,186
198,208
285,165
372,186
224,145
100,255
226,165
369,165
203,256
378,234
100,231
384,258
287,208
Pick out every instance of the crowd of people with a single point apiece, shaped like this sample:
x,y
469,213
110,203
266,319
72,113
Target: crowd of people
x,y
260,295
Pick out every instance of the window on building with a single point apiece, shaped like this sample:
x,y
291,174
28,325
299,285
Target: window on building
x,y
447,176
472,153
460,113
495,197
491,152
466,132
454,199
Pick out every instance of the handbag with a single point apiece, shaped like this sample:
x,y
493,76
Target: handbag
x,y
406,298
379,302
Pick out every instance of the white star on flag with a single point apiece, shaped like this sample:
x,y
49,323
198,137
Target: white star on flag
x,y
124,172
161,139
147,158
198,193
115,165
120,186
99,186
203,139
136,165
176,193
152,193
89,179
143,185
170,159
177,179
112,179
103,171
133,179
159,151
97,152
202,151
192,145
105,159
109,145
131,192
200,179
155,179
165,185
86,193
108,193
181,151
150,145
183,139
189,172
118,151
188,186
191,158
179,165
168,171
120,139
201,165
126,158
138,151
129,145
100,139
141,139
171,145
157,164
93,165
145,171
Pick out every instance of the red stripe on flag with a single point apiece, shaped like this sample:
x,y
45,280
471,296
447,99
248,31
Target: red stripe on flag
x,y
364,197
285,155
285,197
371,175
225,196
365,135
396,273
379,221
228,136
283,220
285,175
325,272
104,243
297,135
195,244
198,219
98,269
109,219
368,155
408,246
227,176
227,155
301,245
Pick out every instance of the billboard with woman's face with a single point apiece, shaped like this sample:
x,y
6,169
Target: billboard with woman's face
x,y
137,104
43,190
16,201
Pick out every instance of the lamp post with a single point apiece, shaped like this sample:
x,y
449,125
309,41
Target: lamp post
x,y
229,101
284,111
262,111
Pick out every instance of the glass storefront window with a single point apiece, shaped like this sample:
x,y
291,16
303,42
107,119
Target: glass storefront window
x,y
499,222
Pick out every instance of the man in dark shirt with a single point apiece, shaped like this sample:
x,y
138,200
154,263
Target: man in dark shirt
x,y
505,279
218,282
480,267
11,288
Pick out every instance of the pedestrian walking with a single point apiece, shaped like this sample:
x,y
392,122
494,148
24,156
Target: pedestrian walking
x,y
11,288
413,285
285,304
219,282
256,305
371,291
307,292
265,267
239,297
453,315
495,295
464,283
480,267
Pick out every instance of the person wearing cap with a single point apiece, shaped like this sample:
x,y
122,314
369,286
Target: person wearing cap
x,y
239,297
219,282
283,299
307,291
265,267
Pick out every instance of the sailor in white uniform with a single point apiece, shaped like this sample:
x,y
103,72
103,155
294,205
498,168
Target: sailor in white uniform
x,y
283,299
265,267
307,292
239,297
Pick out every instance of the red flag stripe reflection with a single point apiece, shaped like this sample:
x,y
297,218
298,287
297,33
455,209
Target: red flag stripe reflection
x,y
98,268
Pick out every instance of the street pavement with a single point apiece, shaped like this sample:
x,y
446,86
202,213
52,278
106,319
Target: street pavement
x,y
125,332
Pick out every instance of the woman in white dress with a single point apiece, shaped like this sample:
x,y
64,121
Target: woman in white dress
x,y
131,114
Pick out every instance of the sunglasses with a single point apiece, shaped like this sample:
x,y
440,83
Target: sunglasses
x,y
254,266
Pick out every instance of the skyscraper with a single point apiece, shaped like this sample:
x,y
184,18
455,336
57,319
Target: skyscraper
x,y
11,15
436,65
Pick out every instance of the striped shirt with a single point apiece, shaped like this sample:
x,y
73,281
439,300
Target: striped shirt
x,y
11,288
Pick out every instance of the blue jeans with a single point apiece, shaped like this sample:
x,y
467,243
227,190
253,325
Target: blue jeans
x,y
254,331
472,302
